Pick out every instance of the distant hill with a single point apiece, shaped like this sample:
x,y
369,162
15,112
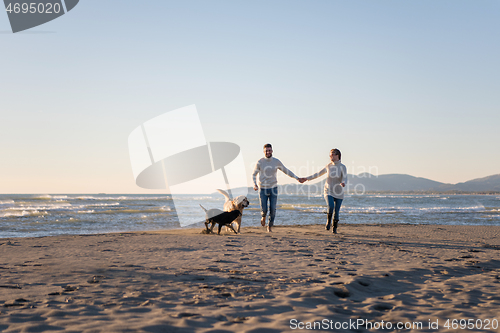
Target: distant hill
x,y
393,182
366,182
490,183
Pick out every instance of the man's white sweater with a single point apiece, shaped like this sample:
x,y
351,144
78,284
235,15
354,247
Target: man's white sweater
x,y
267,169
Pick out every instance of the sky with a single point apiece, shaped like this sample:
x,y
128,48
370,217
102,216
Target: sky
x,y
407,87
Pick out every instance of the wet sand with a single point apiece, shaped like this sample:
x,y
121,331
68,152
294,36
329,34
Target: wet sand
x,y
185,281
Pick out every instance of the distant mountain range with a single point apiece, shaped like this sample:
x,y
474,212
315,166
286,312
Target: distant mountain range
x,y
405,183
399,183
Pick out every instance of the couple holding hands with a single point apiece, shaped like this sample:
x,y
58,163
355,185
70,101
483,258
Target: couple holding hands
x,y
267,168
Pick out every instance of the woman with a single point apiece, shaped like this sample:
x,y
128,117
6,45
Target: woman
x,y
334,187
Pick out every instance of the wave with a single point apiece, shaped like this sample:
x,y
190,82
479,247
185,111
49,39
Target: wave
x,y
55,206
41,197
372,210
300,206
76,197
454,209
187,198
405,196
59,197
136,211
45,197
123,198
85,211
490,216
34,206
412,210
102,204
22,213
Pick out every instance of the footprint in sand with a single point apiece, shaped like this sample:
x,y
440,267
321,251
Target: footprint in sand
x,y
341,292
184,315
224,261
364,283
382,307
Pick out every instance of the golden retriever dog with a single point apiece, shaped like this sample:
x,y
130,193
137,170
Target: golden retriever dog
x,y
239,203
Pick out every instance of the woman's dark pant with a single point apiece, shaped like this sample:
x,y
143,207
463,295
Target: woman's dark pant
x,y
333,206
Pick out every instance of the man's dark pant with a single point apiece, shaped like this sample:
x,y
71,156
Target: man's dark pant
x,y
271,195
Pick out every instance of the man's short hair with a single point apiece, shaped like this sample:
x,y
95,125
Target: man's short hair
x,y
268,145
337,152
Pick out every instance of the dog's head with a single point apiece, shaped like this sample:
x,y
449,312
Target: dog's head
x,y
241,202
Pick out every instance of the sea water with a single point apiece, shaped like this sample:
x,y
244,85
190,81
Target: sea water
x,y
46,215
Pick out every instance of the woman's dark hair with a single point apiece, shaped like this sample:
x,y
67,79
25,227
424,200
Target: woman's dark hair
x,y
336,152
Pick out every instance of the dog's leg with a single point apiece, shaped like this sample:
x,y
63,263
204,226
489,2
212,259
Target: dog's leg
x,y
220,227
231,227
212,227
206,225
238,222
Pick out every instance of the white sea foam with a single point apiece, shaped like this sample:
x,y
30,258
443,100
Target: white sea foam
x,y
372,210
86,198
34,206
102,204
411,210
197,198
404,196
120,198
491,216
299,206
21,213
42,197
59,197
454,209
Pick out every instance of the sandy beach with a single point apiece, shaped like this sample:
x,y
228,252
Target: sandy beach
x,y
293,278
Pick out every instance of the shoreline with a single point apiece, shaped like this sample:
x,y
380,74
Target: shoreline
x,y
182,280
198,229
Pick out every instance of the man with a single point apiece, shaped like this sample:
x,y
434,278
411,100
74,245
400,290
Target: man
x,y
267,167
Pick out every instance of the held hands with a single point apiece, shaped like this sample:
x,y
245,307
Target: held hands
x,y
342,184
302,180
255,188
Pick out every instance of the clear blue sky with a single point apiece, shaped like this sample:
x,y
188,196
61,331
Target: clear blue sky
x,y
399,86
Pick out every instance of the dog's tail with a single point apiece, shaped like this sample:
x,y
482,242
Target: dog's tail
x,y
224,193
203,208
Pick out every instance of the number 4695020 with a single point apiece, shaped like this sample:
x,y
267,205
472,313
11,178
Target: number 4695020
x,y
32,8
471,324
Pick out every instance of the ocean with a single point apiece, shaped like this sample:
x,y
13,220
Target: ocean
x,y
25,215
